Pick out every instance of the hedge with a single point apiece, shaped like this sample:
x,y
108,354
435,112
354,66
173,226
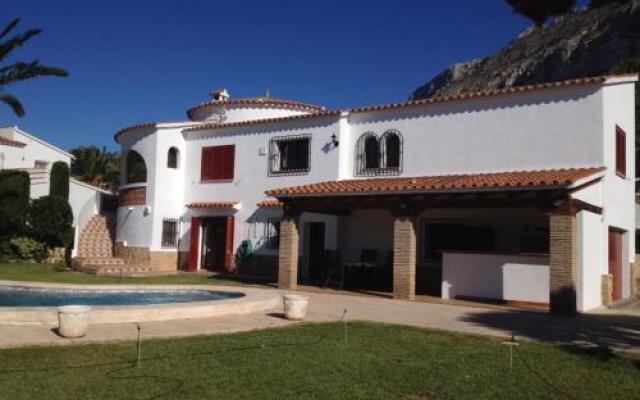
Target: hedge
x,y
59,180
50,221
14,201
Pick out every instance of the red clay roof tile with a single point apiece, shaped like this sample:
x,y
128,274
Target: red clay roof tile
x,y
213,204
495,180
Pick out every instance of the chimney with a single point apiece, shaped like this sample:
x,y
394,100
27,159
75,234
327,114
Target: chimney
x,y
220,94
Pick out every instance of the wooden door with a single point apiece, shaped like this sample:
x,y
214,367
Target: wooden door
x,y
615,262
194,244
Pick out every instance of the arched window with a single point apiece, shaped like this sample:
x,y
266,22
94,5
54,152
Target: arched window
x,y
172,158
367,154
391,149
371,153
136,169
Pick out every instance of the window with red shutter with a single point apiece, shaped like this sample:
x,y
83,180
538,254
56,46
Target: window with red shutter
x,y
621,152
217,163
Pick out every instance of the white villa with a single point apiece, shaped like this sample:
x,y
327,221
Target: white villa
x,y
20,150
523,195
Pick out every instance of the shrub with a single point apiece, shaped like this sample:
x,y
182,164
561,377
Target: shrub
x,y
50,221
59,182
14,201
27,249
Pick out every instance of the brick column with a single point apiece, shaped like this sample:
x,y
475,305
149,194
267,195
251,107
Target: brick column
x,y
404,258
288,255
562,263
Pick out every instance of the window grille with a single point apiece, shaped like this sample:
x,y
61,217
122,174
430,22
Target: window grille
x,y
169,233
379,156
290,155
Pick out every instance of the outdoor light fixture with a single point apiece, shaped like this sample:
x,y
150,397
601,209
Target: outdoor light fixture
x,y
334,140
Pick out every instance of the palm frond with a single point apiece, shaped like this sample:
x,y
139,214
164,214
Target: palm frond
x,y
16,41
9,27
21,71
12,102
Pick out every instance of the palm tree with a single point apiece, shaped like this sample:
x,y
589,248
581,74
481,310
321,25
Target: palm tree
x,y
20,70
95,166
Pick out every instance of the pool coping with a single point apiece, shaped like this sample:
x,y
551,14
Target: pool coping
x,y
254,300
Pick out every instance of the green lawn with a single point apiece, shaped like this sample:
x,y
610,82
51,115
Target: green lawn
x,y
313,361
54,273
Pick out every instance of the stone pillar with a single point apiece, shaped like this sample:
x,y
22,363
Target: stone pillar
x,y
606,289
562,263
404,258
288,255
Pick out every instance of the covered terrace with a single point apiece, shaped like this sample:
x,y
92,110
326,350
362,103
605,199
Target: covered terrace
x,y
547,195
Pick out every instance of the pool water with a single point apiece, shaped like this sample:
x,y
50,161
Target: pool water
x,y
12,296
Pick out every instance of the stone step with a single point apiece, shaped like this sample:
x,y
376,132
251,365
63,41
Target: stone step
x,y
103,261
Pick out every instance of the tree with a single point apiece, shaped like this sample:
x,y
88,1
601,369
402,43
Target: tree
x,y
59,182
14,201
95,166
50,220
20,70
539,11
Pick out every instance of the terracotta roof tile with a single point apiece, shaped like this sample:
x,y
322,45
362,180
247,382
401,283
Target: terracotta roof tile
x,y
504,180
260,121
213,204
12,143
269,203
260,101
153,124
482,93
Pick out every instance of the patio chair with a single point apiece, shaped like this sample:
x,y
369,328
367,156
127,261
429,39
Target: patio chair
x,y
333,268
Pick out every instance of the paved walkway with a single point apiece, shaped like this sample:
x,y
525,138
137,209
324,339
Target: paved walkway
x,y
616,330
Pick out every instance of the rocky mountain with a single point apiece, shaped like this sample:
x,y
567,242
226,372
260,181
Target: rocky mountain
x,y
588,42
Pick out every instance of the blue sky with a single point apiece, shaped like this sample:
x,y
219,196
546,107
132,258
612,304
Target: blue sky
x,y
137,61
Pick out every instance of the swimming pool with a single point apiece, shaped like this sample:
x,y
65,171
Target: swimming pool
x,y
25,296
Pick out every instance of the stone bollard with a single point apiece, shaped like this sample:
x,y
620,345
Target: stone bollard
x,y
295,306
73,321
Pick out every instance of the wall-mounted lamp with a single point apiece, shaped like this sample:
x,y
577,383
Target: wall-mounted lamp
x,y
334,140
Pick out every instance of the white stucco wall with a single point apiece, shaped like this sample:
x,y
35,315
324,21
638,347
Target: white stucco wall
x,y
494,276
619,196
554,128
251,177
591,247
238,112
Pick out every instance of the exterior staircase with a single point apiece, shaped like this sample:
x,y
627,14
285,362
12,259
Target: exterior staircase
x,y
95,250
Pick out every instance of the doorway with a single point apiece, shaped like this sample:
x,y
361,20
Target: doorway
x,y
213,243
615,261
315,250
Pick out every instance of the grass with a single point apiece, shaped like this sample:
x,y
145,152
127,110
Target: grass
x,y
54,273
313,361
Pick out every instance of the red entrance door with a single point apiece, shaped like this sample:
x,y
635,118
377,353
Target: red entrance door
x,y
615,262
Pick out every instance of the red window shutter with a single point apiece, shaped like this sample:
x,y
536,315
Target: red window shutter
x,y
228,244
229,161
621,151
194,244
217,163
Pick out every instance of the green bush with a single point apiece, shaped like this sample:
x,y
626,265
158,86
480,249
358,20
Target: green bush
x,y
14,201
59,181
50,221
27,249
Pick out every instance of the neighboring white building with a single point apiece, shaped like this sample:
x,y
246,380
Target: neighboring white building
x,y
22,151
521,194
